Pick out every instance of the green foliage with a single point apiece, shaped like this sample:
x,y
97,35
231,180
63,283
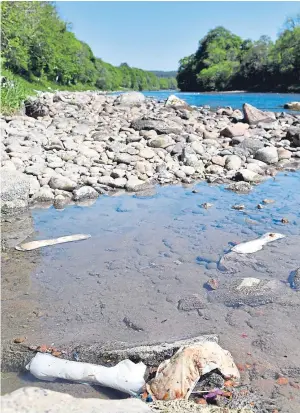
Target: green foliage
x,y
37,45
13,92
224,61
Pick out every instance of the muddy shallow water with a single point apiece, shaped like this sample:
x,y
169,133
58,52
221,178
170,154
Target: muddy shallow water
x,y
145,254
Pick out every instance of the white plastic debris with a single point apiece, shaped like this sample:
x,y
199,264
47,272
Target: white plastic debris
x,y
256,244
28,246
248,282
126,376
176,378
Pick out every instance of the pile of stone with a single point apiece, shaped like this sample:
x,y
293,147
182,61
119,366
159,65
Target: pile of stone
x,y
73,146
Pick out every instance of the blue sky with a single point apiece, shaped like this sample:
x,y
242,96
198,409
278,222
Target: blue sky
x,y
155,35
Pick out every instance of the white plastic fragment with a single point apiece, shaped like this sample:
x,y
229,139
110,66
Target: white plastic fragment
x,y
248,282
126,376
28,246
256,244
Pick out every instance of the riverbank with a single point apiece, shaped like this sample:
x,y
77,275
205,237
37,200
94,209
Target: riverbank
x,y
76,146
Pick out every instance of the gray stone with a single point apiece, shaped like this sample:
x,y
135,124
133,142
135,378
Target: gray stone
x,y
36,169
214,169
160,142
237,129
123,158
233,162
146,153
248,176
188,170
163,127
218,160
119,183
283,154
15,188
135,184
45,194
38,400
130,99
197,147
268,155
251,145
117,173
85,192
240,187
293,135
62,182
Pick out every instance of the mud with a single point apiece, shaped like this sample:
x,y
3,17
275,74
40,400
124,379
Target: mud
x,y
146,254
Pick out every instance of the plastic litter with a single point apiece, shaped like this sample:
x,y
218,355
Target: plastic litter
x,y
256,244
176,378
28,246
126,376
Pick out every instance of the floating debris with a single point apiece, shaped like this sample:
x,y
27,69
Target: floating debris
x,y
238,207
256,244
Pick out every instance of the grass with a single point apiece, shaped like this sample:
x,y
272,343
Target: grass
x,y
18,89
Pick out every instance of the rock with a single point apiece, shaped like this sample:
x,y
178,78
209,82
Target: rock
x,y
117,173
251,145
283,154
62,182
161,142
292,106
248,176
233,162
130,99
135,184
175,101
180,174
45,194
293,135
210,135
237,129
38,400
35,108
119,183
270,125
123,158
15,188
36,169
268,155
191,302
214,169
188,170
253,115
85,192
34,184
218,160
163,127
147,153
240,187
197,147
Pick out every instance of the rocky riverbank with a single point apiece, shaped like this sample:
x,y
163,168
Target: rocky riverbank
x,y
75,146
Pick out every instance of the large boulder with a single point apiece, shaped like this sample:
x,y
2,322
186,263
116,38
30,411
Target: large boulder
x,y
37,400
252,115
85,192
15,189
268,155
163,127
130,99
292,106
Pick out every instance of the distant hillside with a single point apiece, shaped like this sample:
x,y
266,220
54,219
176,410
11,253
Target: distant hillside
x,y
161,73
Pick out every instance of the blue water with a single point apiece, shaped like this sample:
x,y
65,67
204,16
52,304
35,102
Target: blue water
x,y
265,101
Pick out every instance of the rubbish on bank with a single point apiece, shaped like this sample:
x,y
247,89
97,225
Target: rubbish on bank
x,y
206,205
33,245
256,244
176,378
126,376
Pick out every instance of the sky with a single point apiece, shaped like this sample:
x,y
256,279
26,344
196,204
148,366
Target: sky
x,y
155,35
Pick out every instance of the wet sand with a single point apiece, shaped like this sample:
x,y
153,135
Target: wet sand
x,y
147,253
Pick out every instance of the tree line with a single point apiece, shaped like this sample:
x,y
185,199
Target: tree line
x,y
37,45
224,61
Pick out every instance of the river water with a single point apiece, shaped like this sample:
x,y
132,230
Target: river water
x,y
265,101
144,255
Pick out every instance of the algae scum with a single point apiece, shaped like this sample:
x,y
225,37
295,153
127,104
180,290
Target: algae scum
x,y
146,255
